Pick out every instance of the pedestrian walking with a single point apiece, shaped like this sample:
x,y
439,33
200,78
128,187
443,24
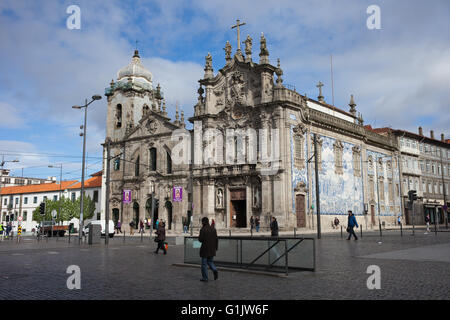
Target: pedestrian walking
x,y
274,227
399,220
157,224
351,224
141,226
132,225
1,228
118,227
161,237
185,225
257,224
252,223
8,229
427,220
210,244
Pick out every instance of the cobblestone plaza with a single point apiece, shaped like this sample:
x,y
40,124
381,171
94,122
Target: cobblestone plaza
x,y
411,268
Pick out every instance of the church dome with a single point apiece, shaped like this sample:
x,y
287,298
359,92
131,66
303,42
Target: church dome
x,y
135,69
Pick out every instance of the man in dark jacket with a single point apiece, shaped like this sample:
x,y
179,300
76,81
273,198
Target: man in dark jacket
x,y
161,237
350,225
274,227
210,243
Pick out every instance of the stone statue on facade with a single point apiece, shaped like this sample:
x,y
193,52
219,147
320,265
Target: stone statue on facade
x,y
264,52
227,52
248,49
208,66
219,198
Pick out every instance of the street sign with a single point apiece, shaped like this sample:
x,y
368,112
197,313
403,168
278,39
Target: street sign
x,y
20,218
54,214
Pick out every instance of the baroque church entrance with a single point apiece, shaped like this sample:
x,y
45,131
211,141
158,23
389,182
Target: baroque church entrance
x,y
238,208
115,213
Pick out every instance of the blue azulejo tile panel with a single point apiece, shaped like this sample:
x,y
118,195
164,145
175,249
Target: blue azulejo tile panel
x,y
338,191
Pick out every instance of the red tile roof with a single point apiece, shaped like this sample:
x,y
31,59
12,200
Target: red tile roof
x,y
36,188
94,182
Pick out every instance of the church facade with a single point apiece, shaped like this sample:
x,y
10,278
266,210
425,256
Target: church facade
x,y
250,152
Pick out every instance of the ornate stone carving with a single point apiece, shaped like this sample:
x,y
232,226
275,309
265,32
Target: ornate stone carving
x,y
268,89
151,125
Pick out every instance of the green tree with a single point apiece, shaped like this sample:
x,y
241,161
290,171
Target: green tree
x,y
88,208
69,209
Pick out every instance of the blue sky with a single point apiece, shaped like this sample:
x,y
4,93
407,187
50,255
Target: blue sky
x,y
399,74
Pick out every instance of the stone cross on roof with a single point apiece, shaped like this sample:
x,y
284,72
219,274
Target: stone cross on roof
x,y
320,85
238,24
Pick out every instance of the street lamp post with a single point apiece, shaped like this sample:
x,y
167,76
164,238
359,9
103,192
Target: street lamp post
x,y
95,97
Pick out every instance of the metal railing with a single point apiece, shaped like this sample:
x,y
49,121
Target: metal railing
x,y
274,254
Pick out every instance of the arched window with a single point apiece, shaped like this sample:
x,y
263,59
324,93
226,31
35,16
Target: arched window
x,y
152,159
118,116
136,167
169,163
145,110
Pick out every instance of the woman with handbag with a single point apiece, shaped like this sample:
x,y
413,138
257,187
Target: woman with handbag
x,y
161,237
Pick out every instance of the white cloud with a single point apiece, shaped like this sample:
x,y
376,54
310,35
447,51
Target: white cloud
x,y
398,75
9,117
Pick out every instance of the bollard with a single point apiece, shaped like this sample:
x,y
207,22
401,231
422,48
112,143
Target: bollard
x,y
141,235
401,230
361,227
295,232
341,233
381,234
124,235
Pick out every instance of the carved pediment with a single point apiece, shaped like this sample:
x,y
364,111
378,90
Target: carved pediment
x,y
152,123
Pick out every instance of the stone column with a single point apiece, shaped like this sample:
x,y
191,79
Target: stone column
x,y
208,199
266,199
197,201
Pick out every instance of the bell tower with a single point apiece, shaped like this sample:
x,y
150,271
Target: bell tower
x,y
129,98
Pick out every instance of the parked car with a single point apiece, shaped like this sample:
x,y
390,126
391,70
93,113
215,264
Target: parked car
x,y
102,224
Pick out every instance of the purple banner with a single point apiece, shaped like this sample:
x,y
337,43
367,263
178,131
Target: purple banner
x,y
177,194
126,196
